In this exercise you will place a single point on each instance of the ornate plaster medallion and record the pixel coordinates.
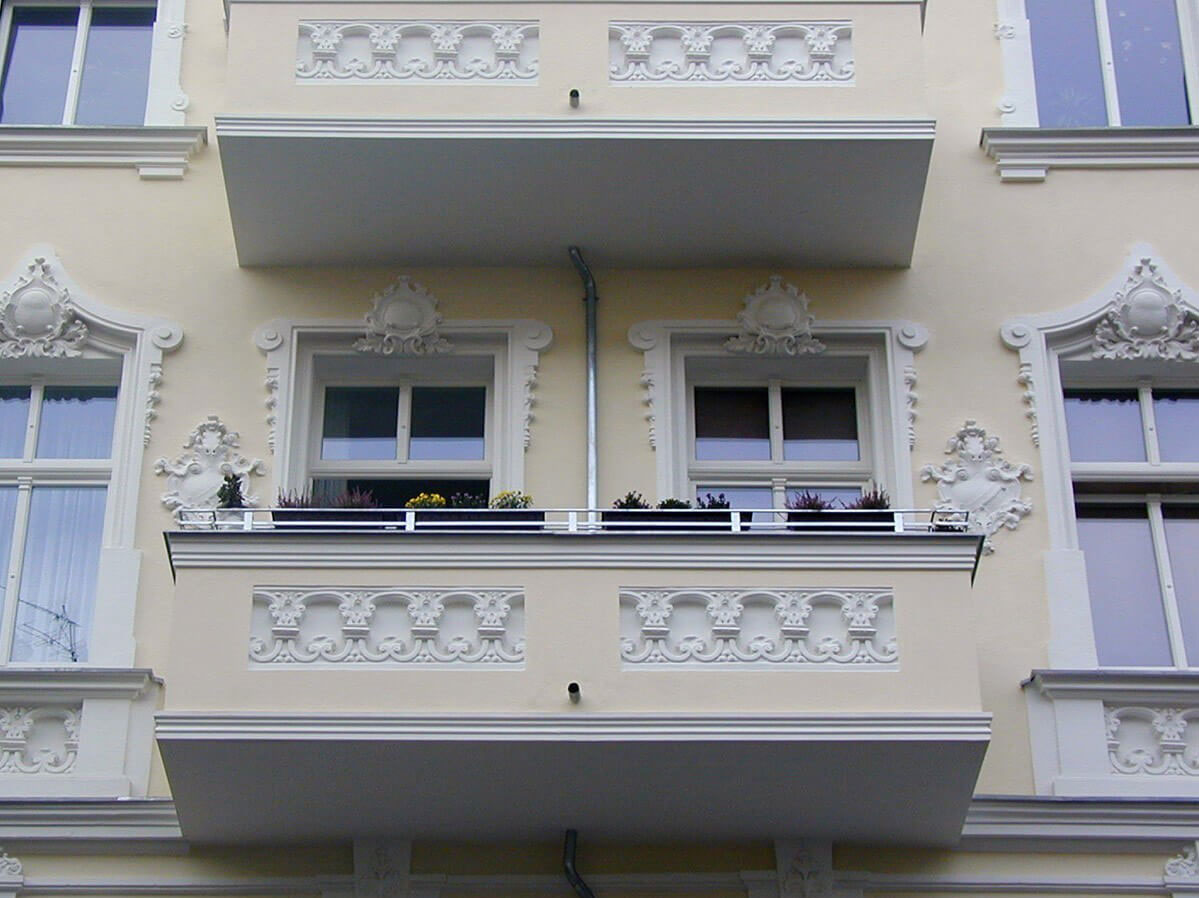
(403, 321)
(775, 321)
(1147, 321)
(36, 317)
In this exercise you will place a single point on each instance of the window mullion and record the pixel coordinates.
(1108, 63)
(12, 583)
(82, 27)
(1190, 64)
(1161, 552)
(403, 422)
(37, 391)
(1149, 424)
(775, 406)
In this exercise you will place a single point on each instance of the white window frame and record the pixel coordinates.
(291, 346)
(1019, 104)
(401, 467)
(887, 395)
(165, 101)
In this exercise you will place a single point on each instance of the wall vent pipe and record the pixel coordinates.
(568, 865)
(590, 298)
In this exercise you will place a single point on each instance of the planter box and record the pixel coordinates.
(842, 521)
(315, 518)
(671, 520)
(501, 519)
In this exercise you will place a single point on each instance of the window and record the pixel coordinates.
(84, 63)
(56, 446)
(399, 427)
(1134, 457)
(761, 440)
(1112, 62)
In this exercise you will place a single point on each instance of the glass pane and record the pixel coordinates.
(77, 422)
(1065, 53)
(360, 422)
(1182, 536)
(1147, 51)
(732, 424)
(1104, 425)
(1177, 415)
(820, 425)
(116, 66)
(8, 511)
(14, 416)
(1126, 601)
(38, 65)
(447, 423)
(742, 497)
(58, 574)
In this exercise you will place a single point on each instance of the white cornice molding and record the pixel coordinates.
(119, 822)
(665, 727)
(509, 127)
(158, 152)
(283, 550)
(1117, 685)
(73, 684)
(1027, 154)
(1026, 823)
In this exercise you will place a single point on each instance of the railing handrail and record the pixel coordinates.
(576, 520)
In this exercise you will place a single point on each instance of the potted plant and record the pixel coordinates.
(803, 508)
(670, 514)
(630, 510)
(303, 507)
(871, 510)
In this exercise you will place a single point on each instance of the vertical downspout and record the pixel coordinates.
(568, 866)
(590, 298)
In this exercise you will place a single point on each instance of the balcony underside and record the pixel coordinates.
(871, 778)
(650, 193)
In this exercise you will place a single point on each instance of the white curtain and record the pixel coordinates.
(77, 422)
(58, 575)
(14, 415)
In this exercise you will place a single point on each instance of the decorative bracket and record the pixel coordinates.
(775, 321)
(195, 478)
(978, 481)
(403, 321)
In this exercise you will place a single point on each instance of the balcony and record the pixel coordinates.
(328, 678)
(399, 136)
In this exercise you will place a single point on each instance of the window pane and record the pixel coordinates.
(732, 424)
(360, 422)
(1104, 425)
(820, 425)
(742, 497)
(8, 511)
(77, 422)
(58, 574)
(447, 423)
(14, 416)
(1182, 538)
(1147, 51)
(1065, 52)
(1177, 415)
(38, 64)
(1126, 601)
(116, 66)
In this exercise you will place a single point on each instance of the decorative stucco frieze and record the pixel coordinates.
(1152, 740)
(403, 320)
(10, 867)
(1147, 320)
(1025, 379)
(195, 478)
(980, 482)
(648, 399)
(271, 382)
(775, 321)
(418, 52)
(1185, 864)
(763, 627)
(40, 739)
(37, 317)
(731, 52)
(331, 625)
(911, 397)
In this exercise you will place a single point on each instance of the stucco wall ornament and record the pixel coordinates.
(1184, 865)
(195, 478)
(775, 321)
(1147, 321)
(9, 866)
(37, 319)
(978, 481)
(403, 321)
(38, 740)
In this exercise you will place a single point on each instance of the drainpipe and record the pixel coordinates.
(568, 864)
(590, 298)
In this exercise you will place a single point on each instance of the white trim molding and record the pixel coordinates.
(775, 322)
(1028, 154)
(158, 152)
(514, 344)
(137, 345)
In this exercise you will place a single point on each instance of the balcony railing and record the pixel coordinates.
(585, 521)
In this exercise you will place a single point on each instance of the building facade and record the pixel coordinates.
(279, 273)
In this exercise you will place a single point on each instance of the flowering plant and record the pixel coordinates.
(511, 499)
(426, 500)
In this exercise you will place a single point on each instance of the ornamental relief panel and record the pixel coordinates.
(1154, 741)
(1147, 320)
(731, 52)
(194, 479)
(758, 627)
(39, 740)
(334, 626)
(441, 52)
(37, 317)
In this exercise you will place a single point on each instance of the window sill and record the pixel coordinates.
(158, 152)
(1027, 154)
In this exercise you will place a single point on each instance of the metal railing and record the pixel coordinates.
(575, 520)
